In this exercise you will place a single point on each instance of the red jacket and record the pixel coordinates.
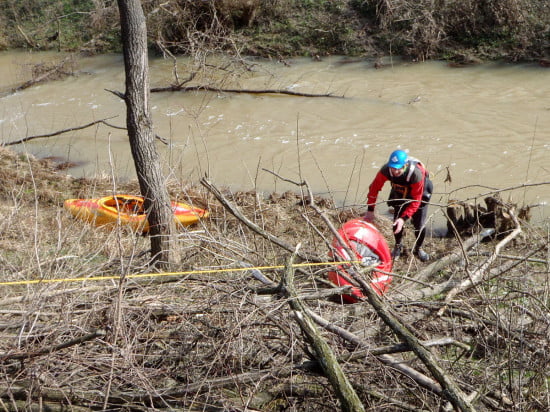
(410, 185)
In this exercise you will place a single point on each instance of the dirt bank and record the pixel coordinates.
(515, 30)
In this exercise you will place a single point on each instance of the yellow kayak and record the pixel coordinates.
(128, 210)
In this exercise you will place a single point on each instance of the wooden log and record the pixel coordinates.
(325, 356)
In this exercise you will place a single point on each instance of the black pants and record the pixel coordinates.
(419, 217)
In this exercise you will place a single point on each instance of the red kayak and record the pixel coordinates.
(369, 246)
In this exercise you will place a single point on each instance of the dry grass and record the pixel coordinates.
(211, 341)
(516, 30)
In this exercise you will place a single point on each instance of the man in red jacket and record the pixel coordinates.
(410, 193)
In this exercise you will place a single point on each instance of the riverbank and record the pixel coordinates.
(209, 326)
(513, 30)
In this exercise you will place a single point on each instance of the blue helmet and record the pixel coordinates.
(398, 159)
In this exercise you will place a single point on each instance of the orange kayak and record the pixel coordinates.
(127, 210)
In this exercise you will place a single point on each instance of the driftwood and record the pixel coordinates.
(57, 70)
(466, 218)
(205, 88)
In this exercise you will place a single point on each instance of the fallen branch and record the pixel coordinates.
(344, 390)
(27, 355)
(72, 129)
(180, 88)
(382, 355)
(251, 225)
(454, 256)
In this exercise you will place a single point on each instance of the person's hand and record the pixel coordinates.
(398, 225)
(369, 216)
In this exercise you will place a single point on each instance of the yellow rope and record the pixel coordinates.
(146, 275)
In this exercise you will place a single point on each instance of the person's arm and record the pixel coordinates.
(374, 188)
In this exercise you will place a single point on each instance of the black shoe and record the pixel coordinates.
(397, 251)
(423, 256)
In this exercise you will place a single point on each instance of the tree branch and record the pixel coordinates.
(344, 390)
(27, 355)
(180, 88)
(251, 225)
(71, 129)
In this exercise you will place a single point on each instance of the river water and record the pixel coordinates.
(486, 126)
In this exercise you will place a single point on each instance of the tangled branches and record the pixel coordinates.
(212, 334)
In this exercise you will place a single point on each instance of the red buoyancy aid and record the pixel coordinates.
(364, 239)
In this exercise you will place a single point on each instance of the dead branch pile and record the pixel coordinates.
(470, 330)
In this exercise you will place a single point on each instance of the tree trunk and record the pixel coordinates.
(140, 129)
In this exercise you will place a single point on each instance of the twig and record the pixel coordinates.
(401, 405)
(520, 258)
(494, 190)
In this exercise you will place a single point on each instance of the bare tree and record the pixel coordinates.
(140, 129)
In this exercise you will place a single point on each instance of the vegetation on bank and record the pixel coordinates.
(516, 30)
(86, 325)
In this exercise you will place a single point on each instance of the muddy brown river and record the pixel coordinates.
(487, 127)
